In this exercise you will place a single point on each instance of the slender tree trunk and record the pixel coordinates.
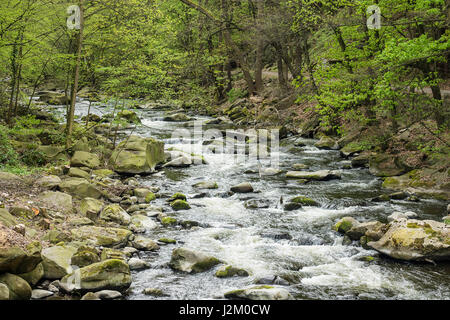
(260, 47)
(73, 94)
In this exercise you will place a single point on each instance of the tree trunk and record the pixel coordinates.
(259, 48)
(73, 94)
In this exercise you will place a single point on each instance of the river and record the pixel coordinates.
(299, 246)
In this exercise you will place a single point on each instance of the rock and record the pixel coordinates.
(57, 261)
(38, 294)
(48, 181)
(384, 165)
(110, 274)
(415, 240)
(108, 294)
(177, 196)
(85, 159)
(91, 207)
(6, 176)
(401, 215)
(230, 271)
(179, 205)
(361, 160)
(322, 175)
(55, 236)
(153, 292)
(129, 116)
(109, 253)
(56, 200)
(54, 98)
(375, 229)
(137, 155)
(327, 143)
(298, 202)
(129, 251)
(103, 173)
(90, 296)
(142, 243)
(18, 288)
(54, 153)
(99, 236)
(137, 264)
(345, 224)
(270, 171)
(260, 293)
(85, 256)
(34, 276)
(206, 185)
(244, 187)
(141, 223)
(257, 204)
(399, 195)
(80, 188)
(17, 260)
(4, 292)
(189, 261)
(83, 221)
(6, 218)
(167, 241)
(78, 173)
(115, 213)
(141, 192)
(181, 162)
(178, 117)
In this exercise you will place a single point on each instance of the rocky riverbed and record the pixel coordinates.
(159, 218)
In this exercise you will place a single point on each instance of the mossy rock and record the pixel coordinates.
(345, 224)
(150, 197)
(113, 274)
(167, 240)
(19, 289)
(305, 201)
(178, 205)
(99, 236)
(230, 271)
(189, 261)
(168, 221)
(177, 196)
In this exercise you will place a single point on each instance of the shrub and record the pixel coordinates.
(8, 155)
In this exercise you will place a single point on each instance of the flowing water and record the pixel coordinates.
(299, 245)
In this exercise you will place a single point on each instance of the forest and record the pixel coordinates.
(107, 190)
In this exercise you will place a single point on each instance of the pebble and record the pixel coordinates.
(37, 294)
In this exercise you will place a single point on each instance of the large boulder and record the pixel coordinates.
(85, 159)
(6, 218)
(190, 261)
(57, 261)
(415, 240)
(137, 155)
(115, 213)
(141, 223)
(56, 200)
(78, 173)
(17, 260)
(321, 175)
(99, 236)
(259, 293)
(80, 188)
(113, 274)
(19, 289)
